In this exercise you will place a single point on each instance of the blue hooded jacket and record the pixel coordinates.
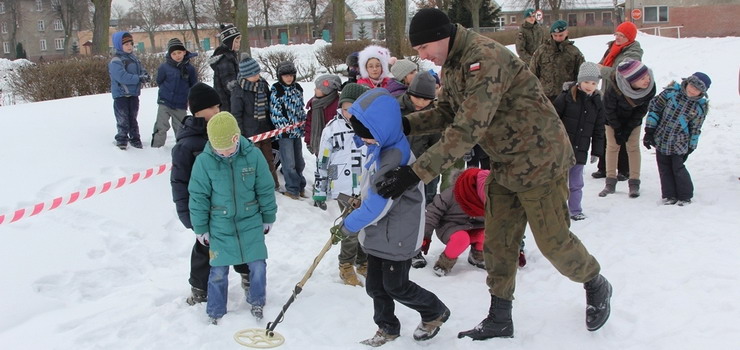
(124, 69)
(391, 229)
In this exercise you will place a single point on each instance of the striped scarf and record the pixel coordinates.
(260, 97)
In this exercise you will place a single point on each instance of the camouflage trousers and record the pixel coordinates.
(545, 208)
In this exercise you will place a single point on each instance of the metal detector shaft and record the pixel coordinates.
(298, 288)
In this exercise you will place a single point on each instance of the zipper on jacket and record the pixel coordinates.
(236, 210)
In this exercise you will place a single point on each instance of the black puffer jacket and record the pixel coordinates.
(623, 113)
(191, 140)
(242, 107)
(583, 117)
(225, 65)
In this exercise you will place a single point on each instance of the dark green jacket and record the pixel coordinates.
(528, 40)
(231, 198)
(556, 63)
(489, 98)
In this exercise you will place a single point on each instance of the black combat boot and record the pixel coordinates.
(497, 324)
(598, 293)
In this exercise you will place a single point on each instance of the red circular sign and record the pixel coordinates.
(636, 14)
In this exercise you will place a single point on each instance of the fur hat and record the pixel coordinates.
(202, 96)
(286, 67)
(629, 30)
(632, 70)
(328, 83)
(588, 71)
(373, 51)
(700, 81)
(423, 86)
(402, 68)
(221, 130)
(175, 44)
(558, 26)
(428, 25)
(351, 92)
(248, 67)
(227, 35)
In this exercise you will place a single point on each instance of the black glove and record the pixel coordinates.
(649, 139)
(406, 125)
(397, 181)
(145, 78)
(621, 136)
(686, 156)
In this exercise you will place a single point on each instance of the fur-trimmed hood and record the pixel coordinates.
(374, 51)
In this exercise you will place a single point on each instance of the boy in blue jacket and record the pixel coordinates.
(175, 77)
(390, 230)
(126, 76)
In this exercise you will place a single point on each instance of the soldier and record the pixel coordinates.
(530, 37)
(490, 99)
(556, 61)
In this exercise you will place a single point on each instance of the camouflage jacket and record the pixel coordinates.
(529, 38)
(489, 98)
(633, 51)
(555, 63)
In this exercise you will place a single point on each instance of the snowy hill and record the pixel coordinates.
(110, 272)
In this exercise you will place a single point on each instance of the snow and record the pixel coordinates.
(110, 272)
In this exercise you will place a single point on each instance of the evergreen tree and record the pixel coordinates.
(488, 14)
(362, 33)
(19, 51)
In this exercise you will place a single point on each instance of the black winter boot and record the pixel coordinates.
(598, 293)
(497, 324)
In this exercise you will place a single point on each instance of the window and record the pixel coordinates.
(512, 19)
(58, 25)
(590, 18)
(500, 21)
(2, 7)
(43, 44)
(39, 5)
(546, 19)
(59, 43)
(266, 34)
(4, 27)
(6, 47)
(40, 25)
(655, 13)
(572, 19)
(606, 19)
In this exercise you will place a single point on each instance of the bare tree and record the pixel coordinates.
(152, 14)
(473, 6)
(395, 26)
(313, 6)
(222, 10)
(69, 12)
(190, 11)
(101, 22)
(241, 20)
(338, 16)
(266, 13)
(118, 11)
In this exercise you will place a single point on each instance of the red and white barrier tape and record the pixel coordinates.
(114, 185)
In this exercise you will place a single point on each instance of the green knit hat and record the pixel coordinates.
(221, 130)
(351, 92)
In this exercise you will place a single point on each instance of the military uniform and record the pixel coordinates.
(528, 40)
(555, 63)
(491, 99)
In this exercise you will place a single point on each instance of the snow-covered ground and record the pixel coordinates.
(110, 272)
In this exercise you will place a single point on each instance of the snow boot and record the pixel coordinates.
(418, 261)
(598, 293)
(598, 174)
(197, 296)
(427, 330)
(670, 201)
(348, 276)
(611, 184)
(497, 324)
(137, 144)
(682, 203)
(362, 269)
(122, 145)
(381, 337)
(622, 177)
(213, 321)
(475, 258)
(443, 265)
(257, 312)
(578, 217)
(245, 282)
(634, 185)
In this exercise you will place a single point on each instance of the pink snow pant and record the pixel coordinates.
(461, 240)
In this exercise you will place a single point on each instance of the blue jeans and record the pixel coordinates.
(575, 185)
(291, 158)
(218, 287)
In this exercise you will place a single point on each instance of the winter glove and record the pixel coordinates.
(266, 228)
(337, 234)
(649, 139)
(145, 78)
(397, 181)
(204, 239)
(425, 245)
(686, 156)
(320, 204)
(621, 137)
(594, 159)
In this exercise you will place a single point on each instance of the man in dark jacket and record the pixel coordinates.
(225, 64)
(191, 140)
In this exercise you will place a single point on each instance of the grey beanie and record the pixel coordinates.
(175, 44)
(402, 68)
(589, 71)
(328, 83)
(423, 86)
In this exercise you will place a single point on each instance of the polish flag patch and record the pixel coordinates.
(474, 67)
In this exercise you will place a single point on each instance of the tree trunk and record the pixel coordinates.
(241, 18)
(151, 41)
(395, 26)
(473, 7)
(338, 13)
(266, 6)
(101, 22)
(194, 24)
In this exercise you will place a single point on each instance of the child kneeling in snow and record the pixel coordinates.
(232, 200)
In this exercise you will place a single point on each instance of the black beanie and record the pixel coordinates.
(428, 25)
(360, 129)
(202, 96)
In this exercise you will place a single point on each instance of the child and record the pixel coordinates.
(322, 108)
(374, 67)
(353, 68)
(126, 76)
(626, 103)
(403, 72)
(339, 170)
(286, 108)
(250, 105)
(458, 216)
(673, 126)
(579, 107)
(225, 64)
(175, 77)
(390, 230)
(232, 207)
(191, 140)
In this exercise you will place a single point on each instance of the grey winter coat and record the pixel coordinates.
(445, 216)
